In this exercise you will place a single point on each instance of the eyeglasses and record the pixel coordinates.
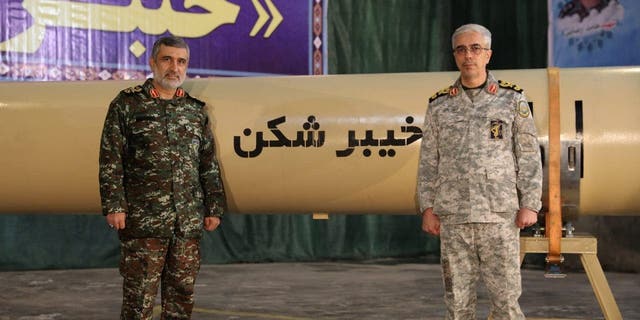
(475, 49)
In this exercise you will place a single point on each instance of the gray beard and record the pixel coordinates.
(170, 83)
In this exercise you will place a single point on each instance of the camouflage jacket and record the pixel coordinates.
(479, 160)
(158, 164)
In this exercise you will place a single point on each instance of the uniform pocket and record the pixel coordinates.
(502, 192)
(190, 132)
(452, 133)
(145, 124)
(452, 130)
(448, 197)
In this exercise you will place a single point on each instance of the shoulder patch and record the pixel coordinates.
(439, 94)
(523, 109)
(131, 90)
(507, 85)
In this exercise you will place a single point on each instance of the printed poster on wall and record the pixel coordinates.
(53, 40)
(589, 33)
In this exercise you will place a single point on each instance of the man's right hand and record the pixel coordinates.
(116, 220)
(430, 222)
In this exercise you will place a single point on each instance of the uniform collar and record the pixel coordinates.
(152, 92)
(490, 86)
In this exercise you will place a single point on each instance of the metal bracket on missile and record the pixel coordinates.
(567, 230)
(554, 269)
(571, 172)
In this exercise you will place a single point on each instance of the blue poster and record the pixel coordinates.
(591, 33)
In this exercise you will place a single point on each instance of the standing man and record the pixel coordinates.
(479, 180)
(160, 185)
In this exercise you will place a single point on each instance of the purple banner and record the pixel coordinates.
(112, 39)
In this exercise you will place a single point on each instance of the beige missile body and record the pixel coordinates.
(334, 144)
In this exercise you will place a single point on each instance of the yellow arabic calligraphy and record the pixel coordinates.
(496, 131)
(54, 13)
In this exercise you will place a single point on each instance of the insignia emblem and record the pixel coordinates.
(453, 92)
(492, 88)
(495, 132)
(438, 94)
(523, 109)
(507, 85)
(195, 145)
(154, 93)
(132, 89)
(180, 92)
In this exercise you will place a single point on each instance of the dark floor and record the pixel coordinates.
(387, 289)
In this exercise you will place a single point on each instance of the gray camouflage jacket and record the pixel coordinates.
(158, 164)
(479, 161)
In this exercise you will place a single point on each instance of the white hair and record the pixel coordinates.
(484, 32)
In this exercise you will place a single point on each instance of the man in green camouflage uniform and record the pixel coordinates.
(160, 185)
(479, 180)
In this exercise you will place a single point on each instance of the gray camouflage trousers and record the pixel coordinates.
(147, 262)
(487, 250)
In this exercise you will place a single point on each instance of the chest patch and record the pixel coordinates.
(495, 131)
(195, 145)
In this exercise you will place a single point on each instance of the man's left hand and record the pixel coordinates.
(526, 218)
(211, 223)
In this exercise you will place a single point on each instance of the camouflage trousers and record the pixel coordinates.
(487, 250)
(147, 262)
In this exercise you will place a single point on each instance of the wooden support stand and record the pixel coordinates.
(587, 248)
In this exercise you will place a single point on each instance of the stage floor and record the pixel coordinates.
(381, 289)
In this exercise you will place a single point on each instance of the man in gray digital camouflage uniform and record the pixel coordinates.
(479, 180)
(160, 185)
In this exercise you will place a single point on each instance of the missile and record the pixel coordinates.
(338, 144)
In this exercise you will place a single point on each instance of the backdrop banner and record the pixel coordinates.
(112, 39)
(592, 33)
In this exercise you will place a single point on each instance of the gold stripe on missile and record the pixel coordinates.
(320, 216)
